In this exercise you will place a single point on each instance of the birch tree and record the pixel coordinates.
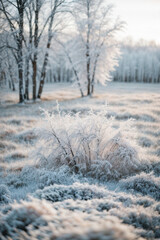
(55, 9)
(97, 50)
(34, 30)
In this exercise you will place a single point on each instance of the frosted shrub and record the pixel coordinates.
(23, 215)
(79, 191)
(58, 176)
(146, 184)
(38, 219)
(88, 145)
(4, 194)
(142, 219)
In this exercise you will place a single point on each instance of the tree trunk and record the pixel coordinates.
(21, 92)
(94, 73)
(34, 78)
(93, 78)
(20, 55)
(92, 88)
(11, 77)
(88, 69)
(43, 73)
(13, 85)
(88, 51)
(9, 83)
(50, 35)
(34, 63)
(27, 79)
(88, 82)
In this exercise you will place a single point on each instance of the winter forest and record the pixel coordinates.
(79, 119)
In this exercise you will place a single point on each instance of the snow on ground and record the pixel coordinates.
(88, 169)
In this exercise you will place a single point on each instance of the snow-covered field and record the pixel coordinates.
(83, 169)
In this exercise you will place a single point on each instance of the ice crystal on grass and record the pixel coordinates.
(89, 145)
(48, 177)
(76, 191)
(22, 178)
(156, 168)
(4, 194)
(146, 222)
(39, 220)
(21, 216)
(145, 184)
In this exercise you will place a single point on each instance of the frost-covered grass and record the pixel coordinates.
(77, 173)
(89, 145)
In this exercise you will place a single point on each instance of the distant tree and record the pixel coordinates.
(9, 66)
(8, 56)
(140, 62)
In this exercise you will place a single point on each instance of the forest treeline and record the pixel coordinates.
(139, 63)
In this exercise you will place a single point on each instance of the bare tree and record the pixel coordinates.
(13, 12)
(96, 28)
(37, 25)
(32, 39)
(36, 43)
(28, 44)
(55, 9)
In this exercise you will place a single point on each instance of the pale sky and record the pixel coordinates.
(142, 18)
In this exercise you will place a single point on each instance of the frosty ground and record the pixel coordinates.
(86, 169)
